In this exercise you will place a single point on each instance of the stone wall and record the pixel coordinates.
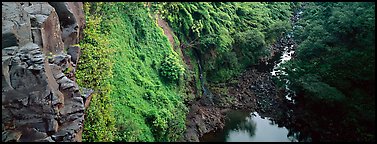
(40, 98)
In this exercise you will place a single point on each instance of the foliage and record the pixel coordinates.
(139, 43)
(125, 54)
(318, 91)
(123, 48)
(250, 44)
(277, 30)
(279, 11)
(224, 67)
(94, 71)
(171, 68)
(334, 68)
(211, 27)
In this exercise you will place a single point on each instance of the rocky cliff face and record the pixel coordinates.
(40, 98)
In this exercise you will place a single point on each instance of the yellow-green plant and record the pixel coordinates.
(171, 68)
(94, 71)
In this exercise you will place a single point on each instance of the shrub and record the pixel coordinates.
(94, 70)
(251, 45)
(170, 68)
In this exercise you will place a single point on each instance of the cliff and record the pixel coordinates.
(40, 98)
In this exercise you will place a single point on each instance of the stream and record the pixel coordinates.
(206, 92)
(243, 126)
(246, 126)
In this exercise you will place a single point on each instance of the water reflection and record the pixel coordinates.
(244, 126)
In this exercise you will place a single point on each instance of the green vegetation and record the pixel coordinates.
(122, 55)
(217, 28)
(333, 73)
(94, 71)
(193, 75)
(147, 109)
(171, 68)
(139, 79)
(141, 82)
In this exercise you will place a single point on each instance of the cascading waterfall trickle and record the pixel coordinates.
(288, 52)
(206, 92)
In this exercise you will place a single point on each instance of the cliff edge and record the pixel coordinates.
(40, 98)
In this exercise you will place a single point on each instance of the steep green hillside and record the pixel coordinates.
(144, 103)
(230, 36)
(141, 83)
(136, 74)
(94, 71)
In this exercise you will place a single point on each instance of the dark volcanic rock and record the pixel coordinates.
(39, 102)
(202, 120)
(15, 25)
(46, 32)
(72, 20)
(74, 51)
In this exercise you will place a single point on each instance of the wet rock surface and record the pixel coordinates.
(40, 99)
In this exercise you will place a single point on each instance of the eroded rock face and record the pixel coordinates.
(202, 120)
(15, 25)
(40, 102)
(72, 21)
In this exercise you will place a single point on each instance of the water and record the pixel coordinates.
(286, 56)
(206, 92)
(243, 126)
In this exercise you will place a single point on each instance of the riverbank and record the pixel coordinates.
(243, 126)
(253, 90)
